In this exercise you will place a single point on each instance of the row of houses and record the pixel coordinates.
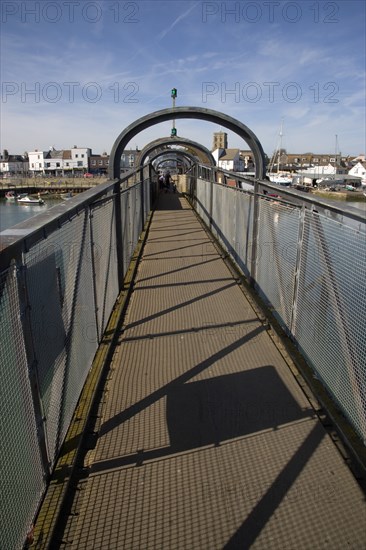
(242, 161)
(80, 160)
(319, 164)
(64, 162)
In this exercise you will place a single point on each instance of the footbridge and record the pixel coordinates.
(184, 369)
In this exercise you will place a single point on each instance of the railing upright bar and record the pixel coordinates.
(94, 273)
(300, 250)
(141, 175)
(253, 267)
(119, 242)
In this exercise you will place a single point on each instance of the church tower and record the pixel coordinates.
(219, 140)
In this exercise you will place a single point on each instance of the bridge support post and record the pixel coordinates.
(119, 243)
(253, 264)
(141, 176)
(212, 174)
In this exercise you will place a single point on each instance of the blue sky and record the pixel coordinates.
(78, 72)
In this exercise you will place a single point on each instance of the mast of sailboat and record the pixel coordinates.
(277, 152)
(280, 147)
(335, 156)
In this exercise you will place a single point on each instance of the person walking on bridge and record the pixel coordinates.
(167, 182)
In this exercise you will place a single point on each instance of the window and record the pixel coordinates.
(100, 163)
(76, 156)
(82, 156)
(67, 164)
(80, 162)
(57, 165)
(94, 162)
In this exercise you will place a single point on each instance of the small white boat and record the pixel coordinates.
(66, 196)
(10, 196)
(30, 200)
(280, 179)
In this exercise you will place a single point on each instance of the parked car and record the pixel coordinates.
(88, 175)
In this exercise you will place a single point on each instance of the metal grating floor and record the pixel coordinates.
(206, 440)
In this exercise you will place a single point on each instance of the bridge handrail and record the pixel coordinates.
(289, 194)
(307, 260)
(60, 276)
(24, 234)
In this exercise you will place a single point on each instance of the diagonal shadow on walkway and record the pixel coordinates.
(182, 379)
(261, 513)
(200, 242)
(179, 306)
(214, 410)
(183, 268)
(204, 328)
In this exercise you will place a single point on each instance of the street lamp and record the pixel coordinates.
(173, 95)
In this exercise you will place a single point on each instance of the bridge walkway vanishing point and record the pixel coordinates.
(205, 439)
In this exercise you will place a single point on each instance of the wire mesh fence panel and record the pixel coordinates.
(22, 479)
(330, 322)
(104, 258)
(217, 211)
(229, 201)
(277, 244)
(243, 235)
(310, 270)
(82, 339)
(148, 192)
(125, 228)
(133, 220)
(54, 307)
(60, 291)
(203, 194)
(137, 221)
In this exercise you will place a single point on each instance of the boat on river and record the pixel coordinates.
(10, 196)
(30, 200)
(280, 179)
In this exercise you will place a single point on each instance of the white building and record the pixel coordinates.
(228, 159)
(323, 170)
(60, 162)
(359, 171)
(79, 158)
(13, 164)
(36, 161)
(53, 162)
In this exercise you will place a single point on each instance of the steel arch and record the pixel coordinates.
(186, 112)
(175, 141)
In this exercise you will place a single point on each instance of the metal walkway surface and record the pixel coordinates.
(206, 440)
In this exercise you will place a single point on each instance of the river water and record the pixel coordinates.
(12, 213)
